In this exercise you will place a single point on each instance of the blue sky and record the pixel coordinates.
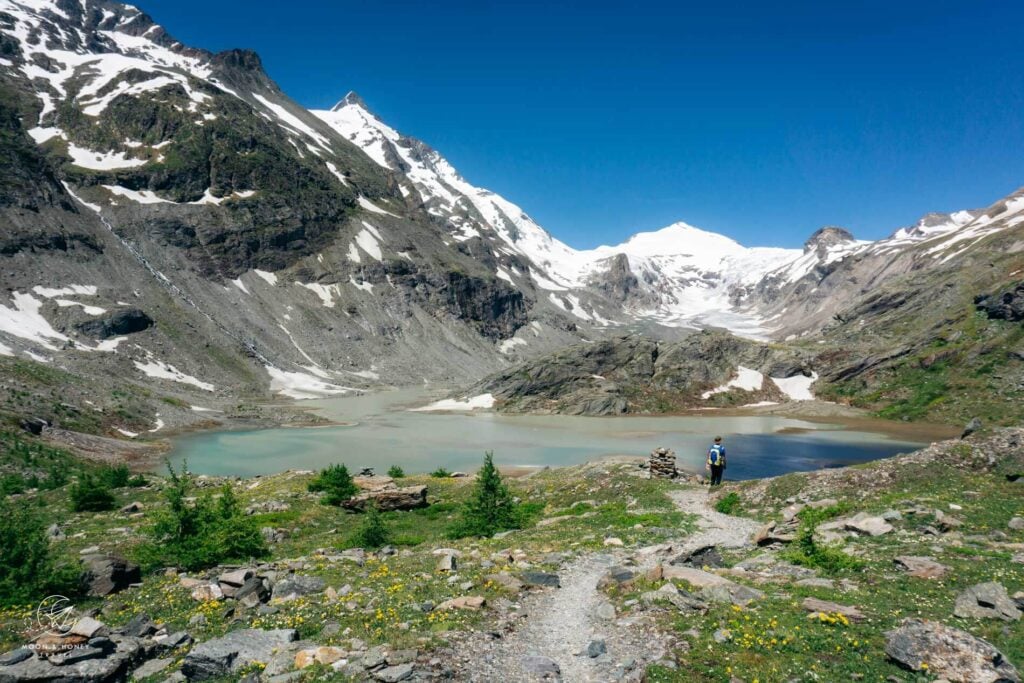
(760, 120)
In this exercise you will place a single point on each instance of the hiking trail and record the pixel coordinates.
(555, 627)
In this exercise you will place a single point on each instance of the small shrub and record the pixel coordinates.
(200, 534)
(373, 532)
(728, 504)
(396, 472)
(441, 473)
(115, 477)
(335, 483)
(138, 481)
(56, 477)
(490, 508)
(408, 540)
(807, 552)
(91, 494)
(28, 567)
(10, 484)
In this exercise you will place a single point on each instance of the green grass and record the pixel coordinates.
(728, 504)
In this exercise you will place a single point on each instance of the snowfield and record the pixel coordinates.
(483, 402)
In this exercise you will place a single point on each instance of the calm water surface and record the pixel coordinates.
(384, 432)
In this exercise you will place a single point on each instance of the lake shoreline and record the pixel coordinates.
(378, 429)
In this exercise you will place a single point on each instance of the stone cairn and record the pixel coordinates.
(662, 463)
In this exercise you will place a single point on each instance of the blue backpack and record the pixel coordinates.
(716, 454)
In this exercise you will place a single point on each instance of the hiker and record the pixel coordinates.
(716, 461)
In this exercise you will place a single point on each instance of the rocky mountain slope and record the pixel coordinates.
(936, 335)
(178, 234)
(638, 375)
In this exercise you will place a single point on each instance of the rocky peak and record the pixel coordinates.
(827, 237)
(352, 98)
(244, 60)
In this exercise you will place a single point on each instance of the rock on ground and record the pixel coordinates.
(949, 653)
(220, 657)
(986, 601)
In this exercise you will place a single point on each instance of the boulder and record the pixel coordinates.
(506, 581)
(704, 556)
(949, 653)
(1016, 524)
(447, 563)
(729, 593)
(920, 567)
(151, 668)
(682, 600)
(235, 578)
(541, 579)
(816, 606)
(971, 427)
(87, 627)
(617, 576)
(773, 532)
(386, 500)
(538, 665)
(207, 592)
(861, 523)
(252, 592)
(986, 601)
(393, 674)
(295, 585)
(107, 574)
(947, 523)
(15, 656)
(694, 577)
(605, 611)
(596, 648)
(318, 655)
(470, 602)
(220, 657)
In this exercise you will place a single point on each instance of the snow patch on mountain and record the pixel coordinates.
(154, 367)
(745, 380)
(301, 385)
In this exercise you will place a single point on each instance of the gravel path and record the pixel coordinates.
(714, 528)
(556, 626)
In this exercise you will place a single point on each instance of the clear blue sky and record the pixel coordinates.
(760, 120)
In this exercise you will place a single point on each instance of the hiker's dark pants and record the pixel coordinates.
(716, 474)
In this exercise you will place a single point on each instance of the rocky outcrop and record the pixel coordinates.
(220, 657)
(986, 601)
(388, 500)
(948, 653)
(1007, 304)
(496, 308)
(106, 574)
(636, 375)
(125, 321)
(825, 238)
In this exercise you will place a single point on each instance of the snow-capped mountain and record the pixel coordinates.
(682, 274)
(469, 211)
(171, 220)
(679, 275)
